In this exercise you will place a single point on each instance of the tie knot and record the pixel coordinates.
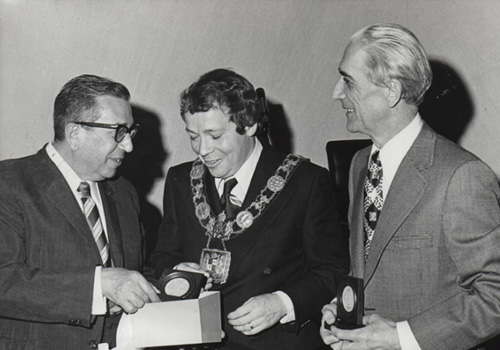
(375, 171)
(376, 157)
(229, 185)
(84, 189)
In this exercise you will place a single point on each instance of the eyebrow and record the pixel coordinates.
(207, 131)
(344, 74)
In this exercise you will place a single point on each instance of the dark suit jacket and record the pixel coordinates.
(296, 246)
(434, 259)
(48, 255)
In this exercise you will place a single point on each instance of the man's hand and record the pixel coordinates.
(378, 334)
(329, 317)
(257, 314)
(194, 267)
(127, 289)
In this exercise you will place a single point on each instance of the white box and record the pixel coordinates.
(179, 322)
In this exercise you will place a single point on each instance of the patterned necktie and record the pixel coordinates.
(374, 199)
(230, 208)
(94, 221)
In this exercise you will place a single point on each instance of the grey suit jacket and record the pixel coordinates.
(48, 255)
(434, 259)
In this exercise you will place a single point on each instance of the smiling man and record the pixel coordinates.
(262, 224)
(424, 214)
(71, 240)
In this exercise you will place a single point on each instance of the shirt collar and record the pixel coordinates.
(69, 174)
(393, 152)
(243, 175)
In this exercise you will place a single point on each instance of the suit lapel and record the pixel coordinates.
(60, 195)
(112, 224)
(406, 191)
(269, 161)
(357, 230)
(64, 201)
(211, 193)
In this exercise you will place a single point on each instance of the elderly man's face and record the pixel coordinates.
(365, 102)
(215, 140)
(98, 155)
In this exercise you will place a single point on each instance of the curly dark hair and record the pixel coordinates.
(227, 91)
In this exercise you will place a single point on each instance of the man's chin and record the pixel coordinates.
(217, 172)
(108, 174)
(352, 128)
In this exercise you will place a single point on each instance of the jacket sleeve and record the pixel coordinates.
(168, 251)
(471, 227)
(326, 247)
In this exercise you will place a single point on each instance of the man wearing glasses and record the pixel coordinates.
(70, 236)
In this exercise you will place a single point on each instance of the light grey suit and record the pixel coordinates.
(435, 255)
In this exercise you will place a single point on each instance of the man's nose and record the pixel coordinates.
(126, 144)
(338, 90)
(205, 146)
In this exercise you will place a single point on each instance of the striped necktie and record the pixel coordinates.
(374, 199)
(95, 223)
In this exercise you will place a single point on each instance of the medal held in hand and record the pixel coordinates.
(178, 284)
(350, 304)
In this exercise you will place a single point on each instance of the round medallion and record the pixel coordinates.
(177, 287)
(348, 299)
(244, 219)
(202, 211)
(197, 171)
(276, 183)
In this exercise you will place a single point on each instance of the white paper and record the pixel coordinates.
(179, 322)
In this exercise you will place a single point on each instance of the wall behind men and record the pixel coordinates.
(290, 47)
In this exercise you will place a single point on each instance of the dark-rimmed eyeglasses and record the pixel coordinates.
(121, 130)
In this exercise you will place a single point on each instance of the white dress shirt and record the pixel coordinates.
(391, 156)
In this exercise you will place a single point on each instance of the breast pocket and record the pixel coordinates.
(410, 242)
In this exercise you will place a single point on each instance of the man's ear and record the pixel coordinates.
(72, 132)
(251, 130)
(394, 92)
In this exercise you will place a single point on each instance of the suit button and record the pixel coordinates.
(75, 322)
(93, 344)
(267, 271)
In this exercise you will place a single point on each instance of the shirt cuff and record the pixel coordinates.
(290, 312)
(406, 338)
(98, 300)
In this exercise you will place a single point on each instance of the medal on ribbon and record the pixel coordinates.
(216, 262)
